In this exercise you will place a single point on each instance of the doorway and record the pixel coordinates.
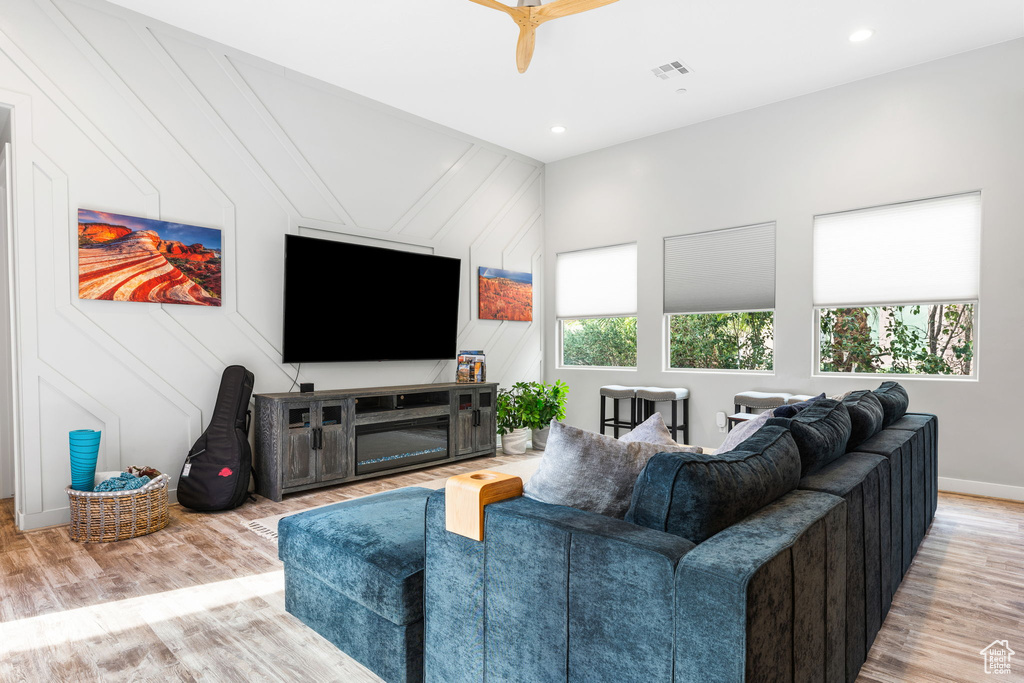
(7, 383)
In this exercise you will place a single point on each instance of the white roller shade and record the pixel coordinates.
(920, 251)
(596, 283)
(720, 271)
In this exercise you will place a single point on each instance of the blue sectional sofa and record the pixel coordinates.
(770, 562)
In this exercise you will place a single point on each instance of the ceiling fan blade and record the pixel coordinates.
(524, 49)
(563, 8)
(493, 4)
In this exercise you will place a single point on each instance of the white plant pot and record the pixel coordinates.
(514, 443)
(540, 438)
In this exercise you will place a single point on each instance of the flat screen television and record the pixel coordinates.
(352, 302)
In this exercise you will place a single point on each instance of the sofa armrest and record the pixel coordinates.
(765, 598)
(550, 590)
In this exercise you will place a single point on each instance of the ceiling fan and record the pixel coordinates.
(530, 14)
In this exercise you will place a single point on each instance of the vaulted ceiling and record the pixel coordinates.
(453, 61)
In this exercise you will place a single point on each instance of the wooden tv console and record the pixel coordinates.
(306, 441)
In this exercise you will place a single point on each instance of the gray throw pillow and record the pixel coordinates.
(654, 430)
(743, 431)
(589, 471)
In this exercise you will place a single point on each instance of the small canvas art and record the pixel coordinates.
(506, 295)
(123, 258)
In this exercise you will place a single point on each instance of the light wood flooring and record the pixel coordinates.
(202, 600)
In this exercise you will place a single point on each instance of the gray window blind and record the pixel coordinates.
(721, 270)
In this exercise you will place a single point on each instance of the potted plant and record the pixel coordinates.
(542, 404)
(511, 419)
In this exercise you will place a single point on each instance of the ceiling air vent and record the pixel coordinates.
(667, 71)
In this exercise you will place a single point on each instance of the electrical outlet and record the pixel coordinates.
(720, 421)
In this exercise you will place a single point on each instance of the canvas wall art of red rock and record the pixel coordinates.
(124, 258)
(505, 295)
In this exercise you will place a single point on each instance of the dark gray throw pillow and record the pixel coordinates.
(589, 471)
(821, 432)
(894, 401)
(696, 496)
(791, 409)
(866, 416)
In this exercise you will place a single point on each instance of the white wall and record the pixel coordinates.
(116, 112)
(944, 127)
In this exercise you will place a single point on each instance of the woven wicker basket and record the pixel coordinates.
(101, 517)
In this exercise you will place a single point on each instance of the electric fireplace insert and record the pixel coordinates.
(389, 445)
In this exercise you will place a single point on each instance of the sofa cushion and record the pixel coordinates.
(654, 430)
(550, 594)
(866, 416)
(863, 481)
(696, 496)
(820, 431)
(370, 549)
(894, 401)
(925, 442)
(912, 422)
(909, 486)
(589, 471)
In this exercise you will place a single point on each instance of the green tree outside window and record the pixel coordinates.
(599, 342)
(722, 341)
(922, 339)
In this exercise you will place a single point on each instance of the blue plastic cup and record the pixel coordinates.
(84, 447)
(84, 437)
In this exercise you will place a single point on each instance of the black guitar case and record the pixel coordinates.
(217, 469)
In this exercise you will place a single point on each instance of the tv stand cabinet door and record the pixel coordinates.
(464, 401)
(299, 466)
(474, 420)
(487, 428)
(334, 461)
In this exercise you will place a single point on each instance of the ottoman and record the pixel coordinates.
(354, 574)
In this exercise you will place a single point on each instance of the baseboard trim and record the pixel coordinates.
(46, 519)
(981, 488)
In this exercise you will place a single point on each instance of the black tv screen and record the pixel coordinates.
(352, 302)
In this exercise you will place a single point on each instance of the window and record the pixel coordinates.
(720, 299)
(595, 302)
(722, 341)
(896, 287)
(599, 342)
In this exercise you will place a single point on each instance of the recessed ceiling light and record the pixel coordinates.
(681, 91)
(860, 35)
(558, 129)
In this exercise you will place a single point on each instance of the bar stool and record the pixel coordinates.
(617, 392)
(746, 402)
(650, 396)
(750, 400)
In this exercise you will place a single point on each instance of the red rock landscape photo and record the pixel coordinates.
(123, 258)
(506, 295)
